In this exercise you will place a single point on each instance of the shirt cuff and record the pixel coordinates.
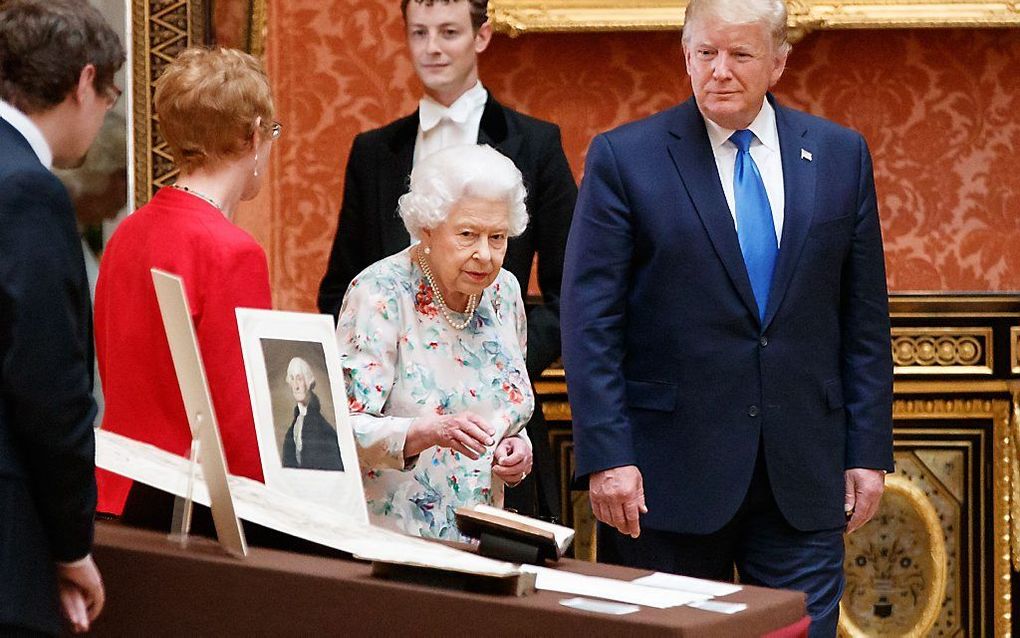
(77, 563)
(522, 435)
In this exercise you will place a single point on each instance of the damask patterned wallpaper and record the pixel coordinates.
(940, 110)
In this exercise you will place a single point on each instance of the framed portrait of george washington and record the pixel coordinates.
(305, 439)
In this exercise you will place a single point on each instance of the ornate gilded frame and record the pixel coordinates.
(160, 30)
(904, 490)
(997, 471)
(528, 16)
(943, 350)
(1014, 349)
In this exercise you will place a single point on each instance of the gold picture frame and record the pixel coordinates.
(916, 564)
(1014, 349)
(160, 30)
(515, 17)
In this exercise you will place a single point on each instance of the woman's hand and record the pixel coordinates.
(464, 432)
(512, 460)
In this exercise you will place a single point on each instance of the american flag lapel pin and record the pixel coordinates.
(805, 154)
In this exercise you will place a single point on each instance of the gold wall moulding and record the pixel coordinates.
(1014, 349)
(162, 29)
(515, 17)
(938, 350)
(990, 565)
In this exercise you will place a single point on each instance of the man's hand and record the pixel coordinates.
(81, 592)
(863, 492)
(618, 498)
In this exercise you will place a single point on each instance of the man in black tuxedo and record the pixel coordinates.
(445, 38)
(57, 62)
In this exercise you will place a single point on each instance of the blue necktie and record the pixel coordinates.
(755, 228)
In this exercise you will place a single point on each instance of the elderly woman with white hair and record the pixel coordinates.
(433, 344)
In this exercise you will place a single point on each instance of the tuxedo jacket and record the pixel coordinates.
(668, 364)
(320, 449)
(378, 170)
(223, 268)
(47, 444)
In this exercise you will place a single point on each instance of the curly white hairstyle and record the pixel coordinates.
(298, 366)
(469, 170)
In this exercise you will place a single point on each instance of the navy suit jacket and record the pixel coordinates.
(668, 365)
(47, 445)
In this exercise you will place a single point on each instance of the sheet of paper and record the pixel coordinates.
(609, 588)
(687, 584)
(599, 606)
(719, 607)
(284, 513)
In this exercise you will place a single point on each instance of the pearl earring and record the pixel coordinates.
(428, 251)
(255, 173)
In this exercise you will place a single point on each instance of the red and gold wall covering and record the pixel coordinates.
(939, 108)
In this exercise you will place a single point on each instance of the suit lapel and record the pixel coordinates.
(494, 130)
(394, 183)
(799, 187)
(692, 155)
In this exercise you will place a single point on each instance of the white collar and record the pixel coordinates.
(431, 112)
(763, 126)
(302, 409)
(24, 125)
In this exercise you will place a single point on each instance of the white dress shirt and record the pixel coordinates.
(299, 425)
(29, 131)
(440, 127)
(765, 153)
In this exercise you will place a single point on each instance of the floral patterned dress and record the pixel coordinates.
(401, 360)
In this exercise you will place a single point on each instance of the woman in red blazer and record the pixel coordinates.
(215, 111)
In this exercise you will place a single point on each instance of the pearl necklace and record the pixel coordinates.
(472, 303)
(205, 198)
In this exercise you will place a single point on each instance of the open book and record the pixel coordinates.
(550, 541)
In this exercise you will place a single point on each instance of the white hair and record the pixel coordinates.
(298, 366)
(469, 170)
(770, 13)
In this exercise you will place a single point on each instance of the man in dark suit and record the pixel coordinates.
(310, 442)
(445, 38)
(725, 326)
(57, 62)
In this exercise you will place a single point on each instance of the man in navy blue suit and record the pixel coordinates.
(725, 326)
(57, 62)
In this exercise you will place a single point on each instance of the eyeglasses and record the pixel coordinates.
(275, 130)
